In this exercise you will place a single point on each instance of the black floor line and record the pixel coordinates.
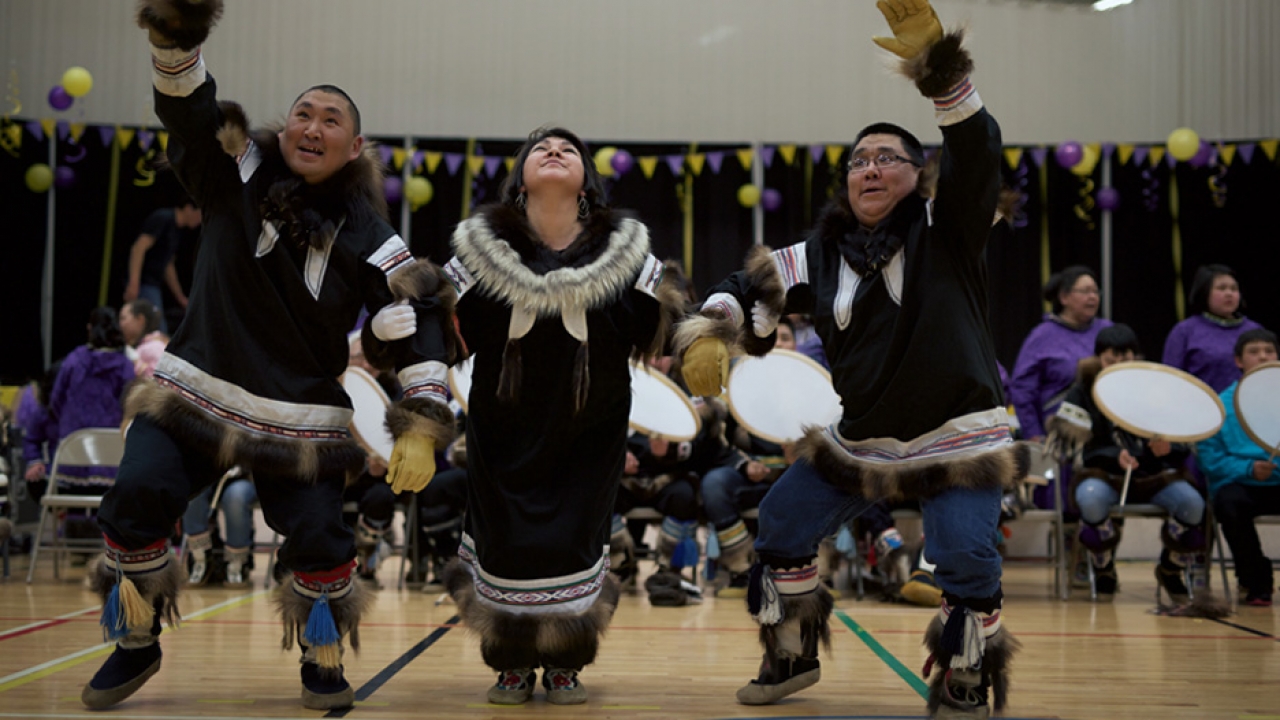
(390, 671)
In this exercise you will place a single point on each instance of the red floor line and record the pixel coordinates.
(10, 634)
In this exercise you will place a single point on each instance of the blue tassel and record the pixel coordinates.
(112, 619)
(686, 554)
(321, 629)
(713, 543)
(845, 544)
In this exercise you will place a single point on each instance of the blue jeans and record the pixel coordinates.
(156, 295)
(1096, 498)
(960, 527)
(236, 502)
(720, 495)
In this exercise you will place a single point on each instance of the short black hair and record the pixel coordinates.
(1118, 338)
(149, 313)
(1062, 282)
(909, 142)
(1202, 286)
(1255, 335)
(104, 328)
(592, 184)
(334, 90)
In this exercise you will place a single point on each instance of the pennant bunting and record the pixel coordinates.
(676, 163)
(1039, 155)
(49, 125)
(124, 136)
(815, 152)
(648, 165)
(433, 160)
(163, 137)
(398, 156)
(833, 154)
(491, 165)
(788, 153)
(453, 161)
(696, 160)
(1108, 149)
(1013, 156)
(1140, 154)
(64, 129)
(475, 164)
(745, 156)
(1124, 151)
(1156, 155)
(384, 152)
(715, 160)
(76, 131)
(36, 130)
(510, 164)
(415, 160)
(1269, 147)
(145, 138)
(766, 154)
(107, 133)
(1228, 153)
(1246, 152)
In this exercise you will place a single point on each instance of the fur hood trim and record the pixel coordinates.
(942, 65)
(498, 248)
(231, 445)
(912, 480)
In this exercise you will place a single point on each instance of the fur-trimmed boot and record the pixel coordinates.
(237, 567)
(1101, 541)
(138, 588)
(735, 556)
(199, 546)
(1182, 543)
(319, 609)
(368, 541)
(794, 612)
(969, 657)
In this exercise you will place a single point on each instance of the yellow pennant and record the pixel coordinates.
(49, 125)
(1228, 153)
(397, 158)
(745, 156)
(647, 166)
(1269, 147)
(124, 136)
(163, 137)
(1013, 156)
(833, 154)
(1124, 152)
(696, 161)
(510, 163)
(433, 160)
(1157, 154)
(76, 131)
(475, 164)
(788, 153)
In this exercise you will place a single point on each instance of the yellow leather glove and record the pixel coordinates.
(706, 366)
(413, 463)
(914, 24)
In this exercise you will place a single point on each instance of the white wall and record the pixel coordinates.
(709, 70)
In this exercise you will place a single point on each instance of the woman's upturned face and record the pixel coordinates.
(131, 325)
(1224, 296)
(553, 163)
(1080, 303)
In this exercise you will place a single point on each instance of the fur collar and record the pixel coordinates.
(308, 215)
(509, 263)
(1087, 370)
(869, 251)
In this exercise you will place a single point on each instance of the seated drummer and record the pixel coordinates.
(1159, 474)
(1244, 481)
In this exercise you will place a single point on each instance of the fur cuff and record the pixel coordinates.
(995, 665)
(1004, 467)
(671, 308)
(941, 67)
(766, 288)
(231, 445)
(426, 283)
(1066, 439)
(182, 23)
(159, 588)
(421, 416)
(812, 612)
(233, 136)
(508, 640)
(295, 608)
(699, 326)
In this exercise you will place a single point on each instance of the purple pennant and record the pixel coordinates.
(766, 154)
(145, 138)
(385, 152)
(36, 131)
(676, 163)
(715, 160)
(64, 128)
(1246, 152)
(817, 151)
(1039, 154)
(1170, 159)
(416, 160)
(453, 161)
(1140, 154)
(1108, 149)
(491, 165)
(107, 133)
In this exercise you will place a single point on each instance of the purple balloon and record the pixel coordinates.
(393, 188)
(64, 177)
(1069, 154)
(59, 99)
(1108, 198)
(622, 162)
(1203, 155)
(771, 199)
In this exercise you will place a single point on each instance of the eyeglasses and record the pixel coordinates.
(861, 163)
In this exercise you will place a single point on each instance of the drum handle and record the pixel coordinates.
(1124, 493)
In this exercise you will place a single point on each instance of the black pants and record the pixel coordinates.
(160, 472)
(1235, 507)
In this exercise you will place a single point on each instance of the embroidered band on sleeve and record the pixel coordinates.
(177, 72)
(792, 265)
(650, 276)
(458, 274)
(958, 104)
(391, 256)
(727, 305)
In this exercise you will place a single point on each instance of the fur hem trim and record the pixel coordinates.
(996, 661)
(186, 24)
(812, 612)
(420, 416)
(232, 445)
(912, 480)
(159, 588)
(572, 638)
(763, 278)
(942, 65)
(347, 610)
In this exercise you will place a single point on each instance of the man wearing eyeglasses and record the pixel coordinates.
(897, 288)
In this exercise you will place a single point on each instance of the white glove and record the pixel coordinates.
(763, 322)
(395, 322)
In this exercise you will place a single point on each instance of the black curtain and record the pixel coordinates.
(22, 239)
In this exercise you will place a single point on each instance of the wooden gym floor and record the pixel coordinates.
(1080, 660)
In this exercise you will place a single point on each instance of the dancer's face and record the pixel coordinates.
(1224, 296)
(319, 137)
(553, 163)
(1256, 353)
(875, 191)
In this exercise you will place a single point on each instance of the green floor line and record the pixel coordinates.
(903, 672)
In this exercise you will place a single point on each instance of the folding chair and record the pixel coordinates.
(1220, 541)
(101, 447)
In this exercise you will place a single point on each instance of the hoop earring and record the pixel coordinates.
(521, 201)
(584, 208)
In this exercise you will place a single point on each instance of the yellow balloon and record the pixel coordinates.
(418, 191)
(748, 195)
(604, 161)
(77, 81)
(39, 178)
(1088, 160)
(1183, 144)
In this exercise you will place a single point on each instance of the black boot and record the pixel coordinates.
(324, 689)
(124, 672)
